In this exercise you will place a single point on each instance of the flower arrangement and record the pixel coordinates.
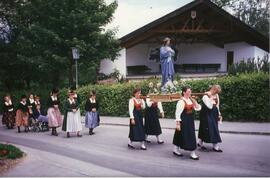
(169, 88)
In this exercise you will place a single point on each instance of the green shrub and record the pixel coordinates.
(250, 66)
(244, 97)
(8, 151)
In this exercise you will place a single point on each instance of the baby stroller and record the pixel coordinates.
(34, 125)
(37, 125)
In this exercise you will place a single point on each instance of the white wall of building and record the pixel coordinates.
(243, 51)
(107, 66)
(202, 53)
(197, 53)
(138, 55)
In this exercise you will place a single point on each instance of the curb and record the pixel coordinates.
(221, 131)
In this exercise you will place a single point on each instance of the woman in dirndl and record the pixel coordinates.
(9, 115)
(153, 111)
(184, 136)
(136, 128)
(210, 117)
(72, 120)
(92, 118)
(54, 115)
(22, 114)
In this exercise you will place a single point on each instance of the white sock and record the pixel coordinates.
(158, 139)
(193, 154)
(142, 144)
(176, 149)
(215, 146)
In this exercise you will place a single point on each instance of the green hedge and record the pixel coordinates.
(244, 97)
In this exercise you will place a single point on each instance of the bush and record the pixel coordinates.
(8, 151)
(244, 97)
(250, 66)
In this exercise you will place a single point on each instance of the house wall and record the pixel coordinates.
(243, 51)
(107, 66)
(197, 53)
(201, 53)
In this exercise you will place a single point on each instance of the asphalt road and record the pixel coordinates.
(106, 154)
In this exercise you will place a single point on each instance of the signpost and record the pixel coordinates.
(76, 56)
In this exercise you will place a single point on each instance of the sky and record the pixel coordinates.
(133, 14)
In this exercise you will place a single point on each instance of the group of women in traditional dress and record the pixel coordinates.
(184, 136)
(31, 109)
(139, 130)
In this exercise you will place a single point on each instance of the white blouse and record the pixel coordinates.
(8, 103)
(54, 98)
(159, 105)
(71, 101)
(181, 106)
(31, 100)
(210, 101)
(23, 103)
(92, 100)
(131, 105)
(37, 102)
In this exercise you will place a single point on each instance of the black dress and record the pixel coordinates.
(136, 132)
(31, 105)
(152, 125)
(185, 138)
(208, 129)
(9, 115)
(92, 119)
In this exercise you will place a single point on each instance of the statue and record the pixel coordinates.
(167, 67)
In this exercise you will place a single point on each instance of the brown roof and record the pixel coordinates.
(210, 15)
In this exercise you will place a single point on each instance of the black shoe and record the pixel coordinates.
(147, 141)
(19, 130)
(177, 154)
(202, 147)
(68, 136)
(131, 147)
(197, 158)
(219, 150)
(143, 148)
(160, 142)
(79, 135)
(91, 133)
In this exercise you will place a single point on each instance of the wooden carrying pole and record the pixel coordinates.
(169, 97)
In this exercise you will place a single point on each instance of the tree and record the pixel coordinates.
(253, 12)
(44, 31)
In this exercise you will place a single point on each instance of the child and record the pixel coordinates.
(22, 114)
(92, 113)
(9, 113)
(54, 115)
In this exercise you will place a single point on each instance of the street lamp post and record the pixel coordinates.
(76, 56)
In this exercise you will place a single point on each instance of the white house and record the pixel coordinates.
(207, 38)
